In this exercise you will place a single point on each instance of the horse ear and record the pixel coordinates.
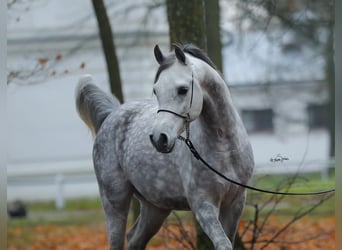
(180, 54)
(158, 54)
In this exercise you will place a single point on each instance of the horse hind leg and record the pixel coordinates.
(146, 226)
(116, 193)
(116, 213)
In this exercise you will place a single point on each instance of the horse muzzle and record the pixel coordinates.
(162, 143)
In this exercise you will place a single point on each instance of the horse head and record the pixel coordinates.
(179, 97)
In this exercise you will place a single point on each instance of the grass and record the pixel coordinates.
(288, 206)
(308, 182)
(70, 205)
(89, 211)
(78, 211)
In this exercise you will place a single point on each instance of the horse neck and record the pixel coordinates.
(220, 128)
(219, 118)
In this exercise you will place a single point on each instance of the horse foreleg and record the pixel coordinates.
(147, 225)
(230, 215)
(207, 216)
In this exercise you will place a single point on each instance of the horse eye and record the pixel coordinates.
(182, 90)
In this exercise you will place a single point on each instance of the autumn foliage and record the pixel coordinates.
(311, 233)
(304, 234)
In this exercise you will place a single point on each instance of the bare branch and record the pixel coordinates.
(297, 217)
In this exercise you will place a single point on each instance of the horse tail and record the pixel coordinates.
(93, 104)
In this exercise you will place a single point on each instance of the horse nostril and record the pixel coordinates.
(163, 140)
(160, 143)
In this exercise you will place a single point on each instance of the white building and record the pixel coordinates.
(54, 42)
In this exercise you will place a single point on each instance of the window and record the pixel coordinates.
(318, 115)
(258, 120)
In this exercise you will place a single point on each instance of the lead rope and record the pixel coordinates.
(195, 153)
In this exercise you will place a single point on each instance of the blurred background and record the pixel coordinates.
(277, 60)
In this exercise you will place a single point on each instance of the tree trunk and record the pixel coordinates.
(187, 25)
(108, 46)
(202, 240)
(214, 46)
(214, 51)
(187, 22)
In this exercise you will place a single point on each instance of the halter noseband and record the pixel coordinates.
(187, 117)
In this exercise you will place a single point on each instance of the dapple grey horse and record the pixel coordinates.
(136, 151)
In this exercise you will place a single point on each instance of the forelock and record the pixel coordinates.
(168, 61)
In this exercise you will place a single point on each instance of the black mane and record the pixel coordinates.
(187, 48)
(198, 53)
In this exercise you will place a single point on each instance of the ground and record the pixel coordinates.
(76, 230)
(268, 222)
(308, 234)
